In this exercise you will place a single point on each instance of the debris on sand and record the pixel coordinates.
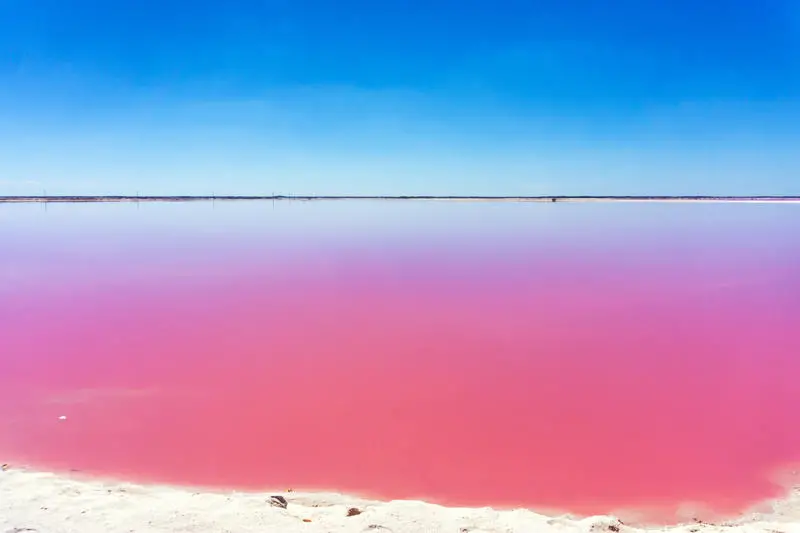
(354, 511)
(278, 501)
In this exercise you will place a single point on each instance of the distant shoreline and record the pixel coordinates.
(544, 199)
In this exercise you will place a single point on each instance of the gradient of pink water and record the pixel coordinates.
(550, 376)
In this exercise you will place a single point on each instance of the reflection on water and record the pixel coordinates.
(580, 357)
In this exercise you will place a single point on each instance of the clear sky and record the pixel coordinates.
(392, 97)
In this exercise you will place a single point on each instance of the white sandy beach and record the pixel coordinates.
(48, 503)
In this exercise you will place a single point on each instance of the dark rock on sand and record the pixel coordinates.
(278, 501)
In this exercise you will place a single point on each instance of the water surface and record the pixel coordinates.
(580, 357)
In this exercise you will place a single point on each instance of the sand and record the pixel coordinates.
(50, 503)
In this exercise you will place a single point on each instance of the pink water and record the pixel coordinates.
(580, 360)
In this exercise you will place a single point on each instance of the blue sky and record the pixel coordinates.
(390, 97)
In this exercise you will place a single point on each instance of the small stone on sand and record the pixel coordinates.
(278, 501)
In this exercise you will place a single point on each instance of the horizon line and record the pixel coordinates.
(465, 198)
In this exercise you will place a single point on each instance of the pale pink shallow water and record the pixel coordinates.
(588, 361)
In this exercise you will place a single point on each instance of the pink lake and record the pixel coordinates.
(586, 358)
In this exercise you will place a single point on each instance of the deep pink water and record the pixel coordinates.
(574, 357)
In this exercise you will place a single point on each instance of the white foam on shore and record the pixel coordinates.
(50, 503)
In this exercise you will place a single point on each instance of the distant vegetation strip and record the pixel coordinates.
(87, 199)
(188, 198)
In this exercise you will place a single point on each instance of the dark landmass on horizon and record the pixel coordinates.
(187, 198)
